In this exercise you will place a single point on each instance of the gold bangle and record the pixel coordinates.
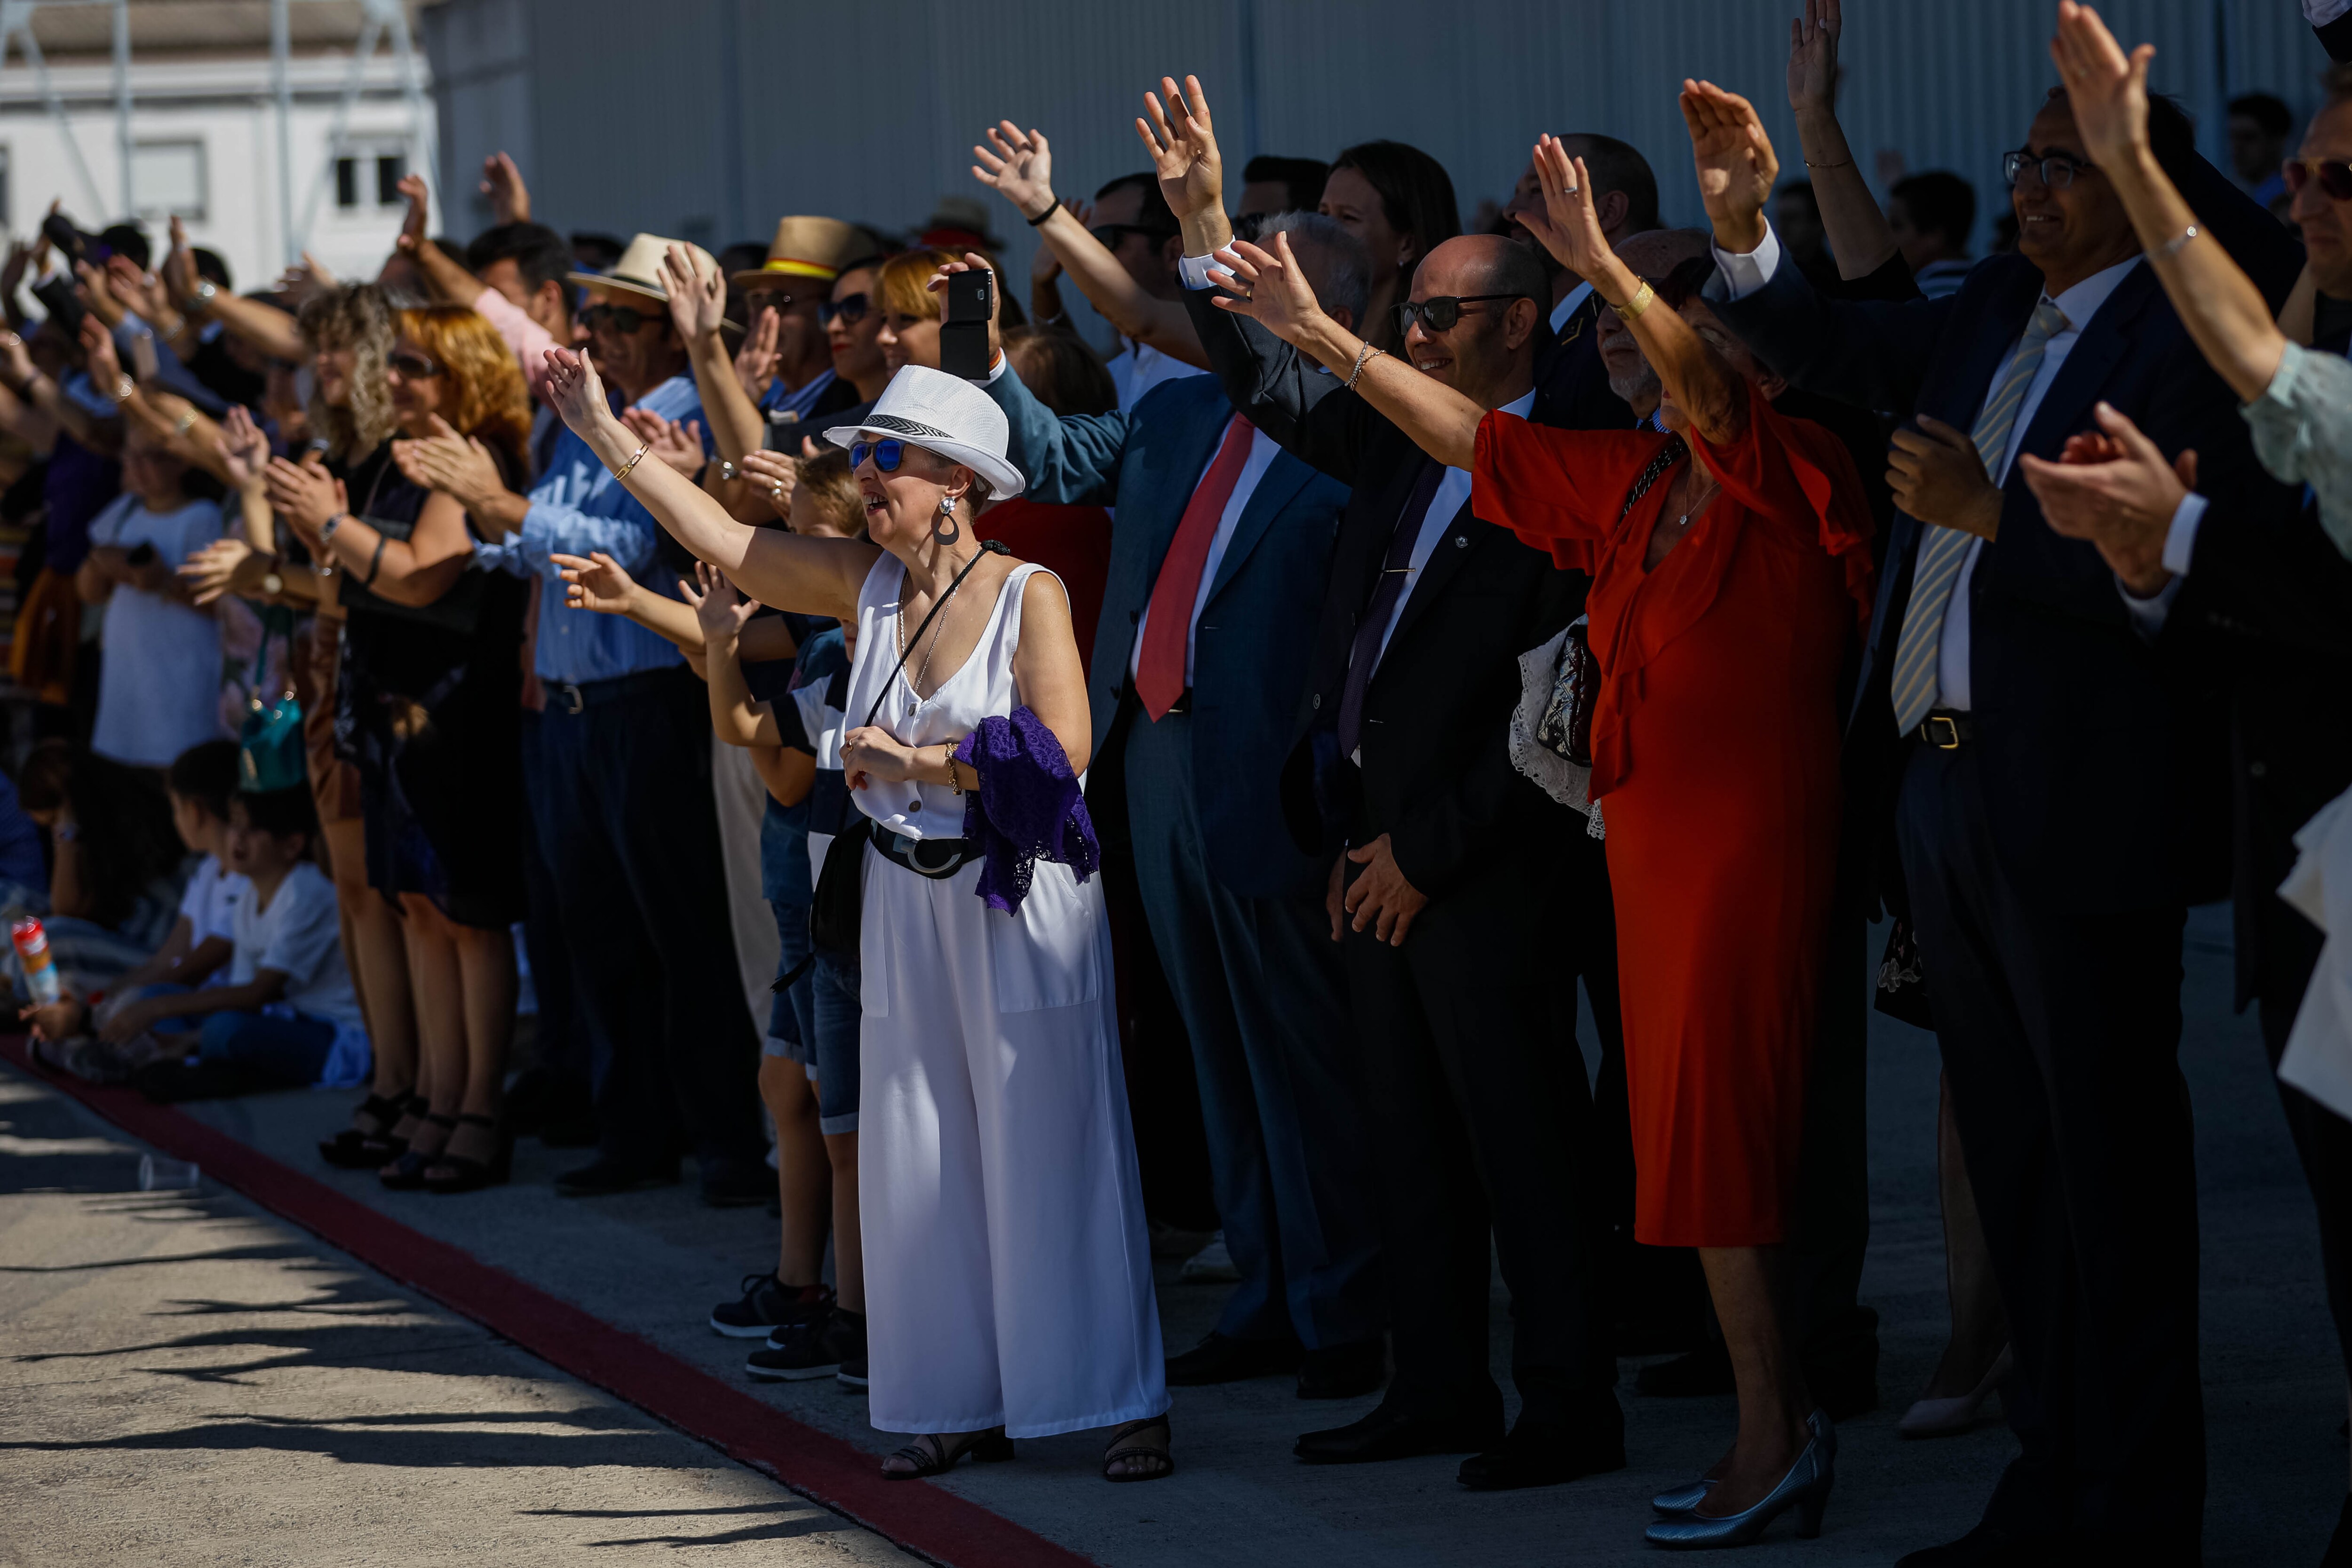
(623, 471)
(954, 783)
(1637, 304)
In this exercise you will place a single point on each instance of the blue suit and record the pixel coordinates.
(1235, 907)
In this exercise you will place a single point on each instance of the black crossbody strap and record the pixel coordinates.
(987, 547)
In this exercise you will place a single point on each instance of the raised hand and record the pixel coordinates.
(1813, 58)
(717, 608)
(778, 474)
(503, 183)
(142, 291)
(1270, 289)
(697, 293)
(243, 449)
(972, 262)
(17, 364)
(595, 581)
(577, 393)
(755, 361)
(412, 189)
(104, 369)
(1183, 148)
(224, 566)
(680, 445)
(2109, 89)
(97, 294)
(1020, 168)
(304, 280)
(1736, 167)
(180, 266)
(1567, 225)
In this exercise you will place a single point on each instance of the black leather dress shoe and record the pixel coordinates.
(607, 1175)
(1387, 1434)
(1222, 1358)
(1988, 1546)
(1545, 1456)
(1343, 1372)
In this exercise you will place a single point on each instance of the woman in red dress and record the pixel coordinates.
(1724, 591)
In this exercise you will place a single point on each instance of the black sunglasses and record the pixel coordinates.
(886, 453)
(414, 366)
(1440, 313)
(622, 318)
(2055, 170)
(2334, 175)
(849, 309)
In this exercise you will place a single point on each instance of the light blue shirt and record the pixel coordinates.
(782, 399)
(577, 508)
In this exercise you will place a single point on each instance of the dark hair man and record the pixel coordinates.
(2260, 127)
(1273, 184)
(1932, 214)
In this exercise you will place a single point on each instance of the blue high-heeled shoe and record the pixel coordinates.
(1681, 1500)
(1806, 1489)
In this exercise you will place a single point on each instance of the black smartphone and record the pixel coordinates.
(963, 331)
(140, 553)
(60, 303)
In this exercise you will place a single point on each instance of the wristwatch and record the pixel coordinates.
(327, 529)
(727, 473)
(273, 581)
(201, 296)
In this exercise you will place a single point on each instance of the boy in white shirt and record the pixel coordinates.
(288, 1016)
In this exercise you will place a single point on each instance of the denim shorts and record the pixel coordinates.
(791, 1033)
(837, 1018)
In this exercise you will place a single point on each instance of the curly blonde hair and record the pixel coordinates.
(483, 388)
(358, 317)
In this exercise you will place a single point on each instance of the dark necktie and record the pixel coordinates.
(1394, 573)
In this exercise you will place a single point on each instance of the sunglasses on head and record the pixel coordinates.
(849, 309)
(1441, 312)
(2334, 175)
(887, 454)
(412, 365)
(622, 319)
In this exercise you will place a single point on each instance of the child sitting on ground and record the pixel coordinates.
(287, 1017)
(104, 1037)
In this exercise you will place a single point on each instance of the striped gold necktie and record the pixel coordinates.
(1943, 551)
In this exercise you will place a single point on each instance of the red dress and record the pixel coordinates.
(1073, 542)
(1715, 757)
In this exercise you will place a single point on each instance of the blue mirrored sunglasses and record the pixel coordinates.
(885, 454)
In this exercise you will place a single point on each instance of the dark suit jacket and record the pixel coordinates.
(1437, 774)
(1571, 383)
(1256, 630)
(2101, 765)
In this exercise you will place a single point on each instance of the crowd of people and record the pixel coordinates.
(1017, 824)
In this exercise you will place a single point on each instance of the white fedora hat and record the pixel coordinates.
(943, 413)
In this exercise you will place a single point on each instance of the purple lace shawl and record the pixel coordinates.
(1027, 808)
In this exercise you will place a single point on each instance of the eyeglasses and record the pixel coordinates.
(1440, 313)
(1112, 235)
(2334, 175)
(2056, 170)
(887, 454)
(849, 309)
(622, 319)
(413, 366)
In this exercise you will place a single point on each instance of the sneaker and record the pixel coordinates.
(852, 1372)
(1212, 1265)
(769, 1304)
(811, 1350)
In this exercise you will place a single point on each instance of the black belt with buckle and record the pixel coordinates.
(938, 859)
(1947, 731)
(568, 697)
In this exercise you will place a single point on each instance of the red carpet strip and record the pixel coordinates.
(914, 1515)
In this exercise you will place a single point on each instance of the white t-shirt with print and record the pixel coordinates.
(210, 905)
(159, 682)
(301, 935)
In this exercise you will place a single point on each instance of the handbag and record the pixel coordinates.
(1566, 729)
(269, 747)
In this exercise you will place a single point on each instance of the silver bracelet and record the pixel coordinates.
(2172, 247)
(1364, 356)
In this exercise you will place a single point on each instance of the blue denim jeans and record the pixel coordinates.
(277, 1050)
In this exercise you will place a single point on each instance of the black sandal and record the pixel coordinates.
(1120, 1448)
(352, 1150)
(446, 1172)
(929, 1454)
(407, 1174)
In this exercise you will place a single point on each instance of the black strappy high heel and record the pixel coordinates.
(407, 1174)
(1128, 1442)
(448, 1172)
(929, 1454)
(352, 1150)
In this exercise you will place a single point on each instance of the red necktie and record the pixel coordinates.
(1160, 669)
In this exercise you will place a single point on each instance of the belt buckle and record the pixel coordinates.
(931, 867)
(1945, 740)
(578, 704)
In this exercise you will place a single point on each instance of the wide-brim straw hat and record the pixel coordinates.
(807, 249)
(943, 413)
(639, 270)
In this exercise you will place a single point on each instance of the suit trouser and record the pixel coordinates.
(2061, 1035)
(2323, 1140)
(1475, 1096)
(621, 801)
(1258, 984)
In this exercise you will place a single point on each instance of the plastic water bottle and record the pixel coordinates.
(40, 968)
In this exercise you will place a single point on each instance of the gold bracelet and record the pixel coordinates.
(1637, 304)
(950, 761)
(623, 471)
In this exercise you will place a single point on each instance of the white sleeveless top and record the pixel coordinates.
(982, 689)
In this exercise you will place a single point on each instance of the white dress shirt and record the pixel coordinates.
(1569, 304)
(1745, 274)
(1139, 367)
(1261, 453)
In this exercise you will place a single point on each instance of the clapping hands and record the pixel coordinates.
(455, 465)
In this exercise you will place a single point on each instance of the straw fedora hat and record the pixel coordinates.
(813, 248)
(639, 270)
(943, 413)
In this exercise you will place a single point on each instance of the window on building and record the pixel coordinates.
(389, 169)
(368, 178)
(3, 187)
(347, 182)
(167, 178)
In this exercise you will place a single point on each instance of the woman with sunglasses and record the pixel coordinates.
(430, 704)
(1007, 1262)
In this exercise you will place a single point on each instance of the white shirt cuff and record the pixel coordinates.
(1197, 272)
(2180, 538)
(996, 370)
(1743, 275)
(2149, 615)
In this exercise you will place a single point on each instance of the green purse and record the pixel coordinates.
(269, 751)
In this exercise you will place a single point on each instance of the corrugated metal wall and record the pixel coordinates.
(708, 118)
